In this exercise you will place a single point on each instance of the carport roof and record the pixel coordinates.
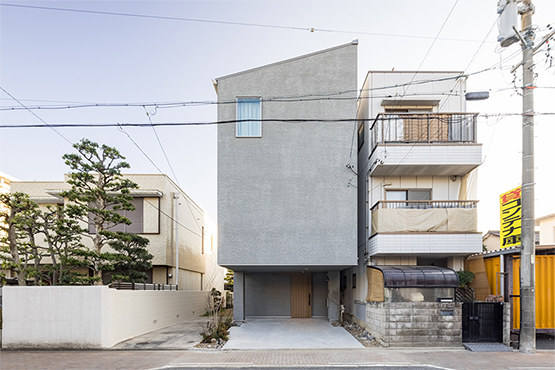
(418, 277)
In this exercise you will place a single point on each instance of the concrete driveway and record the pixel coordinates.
(183, 335)
(290, 334)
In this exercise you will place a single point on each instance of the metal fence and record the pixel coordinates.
(141, 286)
(482, 322)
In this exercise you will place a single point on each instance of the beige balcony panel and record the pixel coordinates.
(424, 220)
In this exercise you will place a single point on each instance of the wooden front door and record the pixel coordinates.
(301, 296)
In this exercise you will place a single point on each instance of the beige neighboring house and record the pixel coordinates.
(163, 214)
(492, 240)
(546, 225)
(5, 181)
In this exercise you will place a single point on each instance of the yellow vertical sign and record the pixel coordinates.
(510, 218)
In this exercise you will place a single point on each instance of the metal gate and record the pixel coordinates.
(482, 322)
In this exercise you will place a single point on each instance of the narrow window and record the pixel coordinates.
(354, 281)
(361, 135)
(249, 109)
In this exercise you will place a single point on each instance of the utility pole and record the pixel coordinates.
(527, 342)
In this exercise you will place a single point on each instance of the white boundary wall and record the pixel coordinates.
(90, 316)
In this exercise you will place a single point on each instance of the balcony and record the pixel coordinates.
(425, 144)
(424, 216)
(438, 228)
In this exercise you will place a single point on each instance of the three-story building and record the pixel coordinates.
(286, 198)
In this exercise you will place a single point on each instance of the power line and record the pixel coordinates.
(171, 218)
(208, 123)
(161, 146)
(142, 151)
(405, 90)
(282, 99)
(260, 25)
(40, 119)
(166, 105)
(471, 61)
(187, 201)
(429, 49)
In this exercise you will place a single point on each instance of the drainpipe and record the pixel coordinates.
(176, 199)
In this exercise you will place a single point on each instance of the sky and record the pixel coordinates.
(170, 51)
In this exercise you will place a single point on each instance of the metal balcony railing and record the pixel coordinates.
(423, 204)
(423, 128)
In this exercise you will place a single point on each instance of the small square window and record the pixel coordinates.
(249, 109)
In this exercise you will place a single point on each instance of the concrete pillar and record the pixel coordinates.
(507, 324)
(239, 296)
(334, 294)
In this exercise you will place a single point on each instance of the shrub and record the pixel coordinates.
(465, 277)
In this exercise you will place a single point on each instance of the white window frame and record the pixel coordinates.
(237, 116)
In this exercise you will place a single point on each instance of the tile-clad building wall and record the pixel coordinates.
(419, 244)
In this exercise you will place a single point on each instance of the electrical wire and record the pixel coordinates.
(33, 113)
(148, 114)
(159, 170)
(138, 147)
(407, 86)
(167, 105)
(282, 99)
(287, 120)
(309, 29)
(177, 222)
(471, 61)
(161, 146)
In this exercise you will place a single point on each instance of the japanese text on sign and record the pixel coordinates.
(510, 218)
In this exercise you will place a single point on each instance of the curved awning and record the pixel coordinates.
(418, 277)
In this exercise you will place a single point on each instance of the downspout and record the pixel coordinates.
(176, 199)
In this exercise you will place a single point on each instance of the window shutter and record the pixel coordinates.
(136, 217)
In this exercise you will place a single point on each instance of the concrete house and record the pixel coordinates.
(417, 215)
(286, 198)
(177, 227)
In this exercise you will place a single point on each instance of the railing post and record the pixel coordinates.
(429, 128)
(382, 124)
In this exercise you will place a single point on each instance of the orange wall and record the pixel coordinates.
(492, 268)
(545, 292)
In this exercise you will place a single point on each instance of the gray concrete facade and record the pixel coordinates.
(284, 198)
(286, 203)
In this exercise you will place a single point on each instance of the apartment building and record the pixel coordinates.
(417, 207)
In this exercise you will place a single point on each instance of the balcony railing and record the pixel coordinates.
(423, 204)
(423, 128)
(423, 216)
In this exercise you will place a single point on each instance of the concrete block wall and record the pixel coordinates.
(415, 324)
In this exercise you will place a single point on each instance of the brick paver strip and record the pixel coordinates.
(144, 360)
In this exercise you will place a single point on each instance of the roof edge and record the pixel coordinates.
(352, 43)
